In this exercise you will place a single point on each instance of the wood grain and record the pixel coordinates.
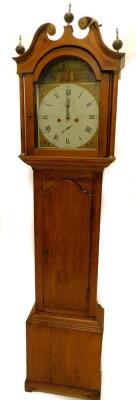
(62, 350)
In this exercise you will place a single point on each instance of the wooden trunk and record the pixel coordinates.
(64, 329)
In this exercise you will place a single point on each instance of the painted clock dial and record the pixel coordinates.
(68, 116)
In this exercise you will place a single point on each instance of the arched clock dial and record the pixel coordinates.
(68, 116)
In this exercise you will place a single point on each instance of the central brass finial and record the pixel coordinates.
(68, 17)
(69, 7)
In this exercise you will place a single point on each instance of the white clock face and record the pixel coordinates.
(68, 116)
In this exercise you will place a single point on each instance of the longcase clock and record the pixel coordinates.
(68, 97)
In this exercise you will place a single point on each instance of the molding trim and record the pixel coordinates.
(91, 164)
(67, 322)
(62, 390)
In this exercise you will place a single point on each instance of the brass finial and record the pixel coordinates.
(20, 49)
(51, 29)
(68, 17)
(117, 44)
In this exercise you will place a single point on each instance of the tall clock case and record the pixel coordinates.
(68, 96)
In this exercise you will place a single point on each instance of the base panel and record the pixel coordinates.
(32, 386)
(64, 354)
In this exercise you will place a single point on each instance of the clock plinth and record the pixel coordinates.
(68, 96)
(64, 349)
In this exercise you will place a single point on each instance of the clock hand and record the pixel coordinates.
(67, 105)
(67, 109)
(67, 113)
(68, 127)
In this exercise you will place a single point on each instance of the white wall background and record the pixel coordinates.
(117, 261)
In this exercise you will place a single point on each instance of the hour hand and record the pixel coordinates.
(68, 127)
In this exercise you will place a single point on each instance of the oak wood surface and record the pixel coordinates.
(62, 348)
(67, 259)
(66, 251)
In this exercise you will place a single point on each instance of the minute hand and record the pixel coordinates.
(67, 105)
